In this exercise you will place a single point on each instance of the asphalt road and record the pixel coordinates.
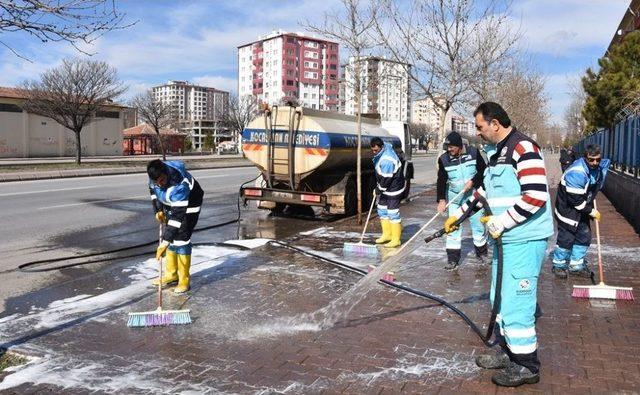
(92, 212)
(56, 218)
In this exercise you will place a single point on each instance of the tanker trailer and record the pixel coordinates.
(308, 157)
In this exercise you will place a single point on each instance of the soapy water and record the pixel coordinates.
(337, 310)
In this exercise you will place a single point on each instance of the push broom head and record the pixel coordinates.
(159, 317)
(360, 249)
(602, 291)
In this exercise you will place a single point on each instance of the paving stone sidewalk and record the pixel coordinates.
(244, 339)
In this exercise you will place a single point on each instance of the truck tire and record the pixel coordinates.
(350, 197)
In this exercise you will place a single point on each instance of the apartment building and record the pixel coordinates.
(385, 88)
(285, 67)
(200, 109)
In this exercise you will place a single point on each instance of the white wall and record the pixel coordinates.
(30, 135)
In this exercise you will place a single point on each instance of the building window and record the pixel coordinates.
(4, 107)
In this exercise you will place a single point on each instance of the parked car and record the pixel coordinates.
(227, 147)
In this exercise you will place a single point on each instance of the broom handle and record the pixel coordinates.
(373, 201)
(599, 248)
(160, 231)
(437, 213)
(397, 250)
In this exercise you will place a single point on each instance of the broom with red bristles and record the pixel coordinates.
(601, 291)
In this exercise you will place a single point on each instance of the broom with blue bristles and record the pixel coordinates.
(361, 248)
(159, 316)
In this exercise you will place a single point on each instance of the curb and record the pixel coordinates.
(47, 175)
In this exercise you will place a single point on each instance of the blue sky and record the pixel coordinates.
(196, 40)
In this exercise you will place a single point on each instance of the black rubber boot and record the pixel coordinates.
(559, 272)
(453, 259)
(515, 375)
(583, 271)
(493, 361)
(482, 253)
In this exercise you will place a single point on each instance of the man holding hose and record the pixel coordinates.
(515, 187)
(460, 169)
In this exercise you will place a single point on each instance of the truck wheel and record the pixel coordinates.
(407, 190)
(350, 197)
(278, 209)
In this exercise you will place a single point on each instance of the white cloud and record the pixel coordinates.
(218, 82)
(563, 28)
(559, 88)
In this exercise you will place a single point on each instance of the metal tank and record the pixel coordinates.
(308, 157)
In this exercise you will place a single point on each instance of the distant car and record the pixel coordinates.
(227, 148)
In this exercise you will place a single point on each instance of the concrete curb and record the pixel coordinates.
(45, 175)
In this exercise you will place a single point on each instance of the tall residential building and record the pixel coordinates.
(282, 66)
(385, 88)
(200, 109)
(425, 112)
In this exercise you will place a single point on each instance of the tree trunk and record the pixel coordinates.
(359, 164)
(442, 130)
(164, 156)
(78, 147)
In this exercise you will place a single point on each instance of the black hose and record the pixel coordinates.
(498, 248)
(497, 300)
(25, 267)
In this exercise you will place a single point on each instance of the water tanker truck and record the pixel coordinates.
(308, 157)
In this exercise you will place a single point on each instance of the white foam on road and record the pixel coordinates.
(61, 311)
(72, 373)
(434, 365)
(249, 243)
(281, 327)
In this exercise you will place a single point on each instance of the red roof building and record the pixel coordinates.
(143, 140)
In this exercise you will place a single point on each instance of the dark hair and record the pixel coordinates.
(155, 169)
(491, 111)
(376, 141)
(592, 150)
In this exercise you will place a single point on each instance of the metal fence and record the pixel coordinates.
(622, 145)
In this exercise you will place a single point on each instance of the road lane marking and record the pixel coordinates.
(96, 186)
(93, 202)
(49, 190)
(142, 174)
(228, 188)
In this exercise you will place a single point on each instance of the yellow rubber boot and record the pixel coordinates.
(386, 231)
(184, 265)
(396, 233)
(170, 274)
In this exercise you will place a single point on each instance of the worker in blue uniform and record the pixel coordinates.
(515, 186)
(390, 186)
(574, 209)
(176, 197)
(461, 168)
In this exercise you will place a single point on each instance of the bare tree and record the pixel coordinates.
(521, 90)
(574, 122)
(352, 26)
(73, 21)
(242, 110)
(156, 113)
(73, 93)
(452, 44)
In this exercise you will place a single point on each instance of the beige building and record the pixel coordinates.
(385, 88)
(200, 110)
(425, 112)
(25, 135)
